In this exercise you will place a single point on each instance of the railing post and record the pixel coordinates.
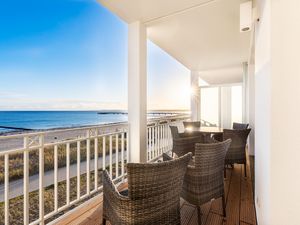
(68, 174)
(88, 157)
(117, 154)
(26, 182)
(103, 153)
(110, 156)
(122, 156)
(41, 179)
(78, 169)
(152, 142)
(6, 189)
(55, 178)
(96, 162)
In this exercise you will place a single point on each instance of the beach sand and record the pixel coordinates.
(15, 140)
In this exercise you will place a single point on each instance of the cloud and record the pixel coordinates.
(57, 104)
(10, 95)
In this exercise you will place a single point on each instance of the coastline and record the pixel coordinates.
(58, 129)
(13, 125)
(14, 139)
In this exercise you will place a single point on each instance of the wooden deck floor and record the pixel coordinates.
(239, 205)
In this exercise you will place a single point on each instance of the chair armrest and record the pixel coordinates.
(115, 205)
(110, 190)
(191, 168)
(191, 172)
(166, 157)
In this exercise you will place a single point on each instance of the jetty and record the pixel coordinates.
(15, 128)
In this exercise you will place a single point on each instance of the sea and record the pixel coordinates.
(40, 120)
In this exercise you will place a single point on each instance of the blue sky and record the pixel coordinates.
(72, 54)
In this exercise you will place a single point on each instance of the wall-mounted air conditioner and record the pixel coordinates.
(246, 16)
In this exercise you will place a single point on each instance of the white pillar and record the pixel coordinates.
(251, 107)
(195, 97)
(220, 106)
(226, 107)
(137, 92)
(245, 93)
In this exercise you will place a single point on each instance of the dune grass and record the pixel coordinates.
(16, 160)
(16, 204)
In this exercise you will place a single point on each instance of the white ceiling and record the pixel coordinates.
(229, 75)
(201, 34)
(145, 10)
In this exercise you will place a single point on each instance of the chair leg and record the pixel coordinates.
(245, 169)
(199, 214)
(224, 205)
(103, 221)
(224, 171)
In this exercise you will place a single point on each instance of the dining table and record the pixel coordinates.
(217, 132)
(208, 130)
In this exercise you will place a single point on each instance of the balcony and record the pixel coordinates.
(47, 174)
(53, 177)
(239, 205)
(206, 37)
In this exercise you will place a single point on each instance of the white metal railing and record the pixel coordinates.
(78, 161)
(159, 137)
(113, 150)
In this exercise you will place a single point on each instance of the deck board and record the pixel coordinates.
(239, 205)
(247, 213)
(205, 209)
(187, 211)
(215, 219)
(233, 199)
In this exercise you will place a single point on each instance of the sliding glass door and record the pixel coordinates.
(222, 105)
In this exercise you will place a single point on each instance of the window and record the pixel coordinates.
(210, 105)
(222, 105)
(237, 104)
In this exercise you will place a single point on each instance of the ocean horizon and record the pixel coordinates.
(11, 121)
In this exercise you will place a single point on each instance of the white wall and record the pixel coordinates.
(262, 115)
(277, 110)
(285, 166)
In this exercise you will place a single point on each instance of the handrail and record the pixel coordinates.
(60, 130)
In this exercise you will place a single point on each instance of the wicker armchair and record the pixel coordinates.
(237, 151)
(204, 180)
(153, 195)
(183, 145)
(175, 133)
(240, 126)
(218, 137)
(194, 124)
